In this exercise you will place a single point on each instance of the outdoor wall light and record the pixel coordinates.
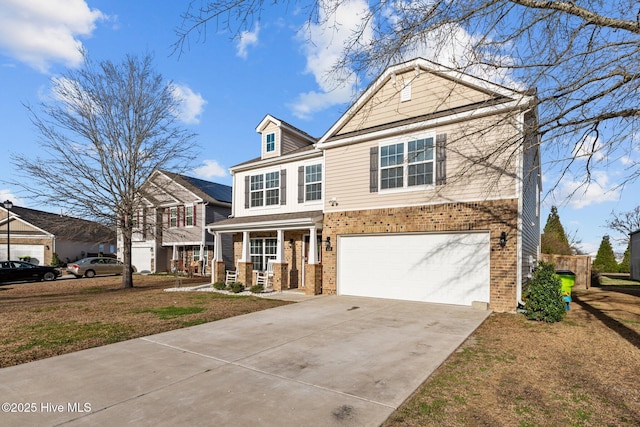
(503, 239)
(328, 244)
(291, 243)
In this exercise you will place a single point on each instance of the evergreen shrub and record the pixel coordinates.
(543, 297)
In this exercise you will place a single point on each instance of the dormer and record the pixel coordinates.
(279, 138)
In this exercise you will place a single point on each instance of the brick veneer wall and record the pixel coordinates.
(494, 216)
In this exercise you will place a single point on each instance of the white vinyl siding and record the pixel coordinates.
(287, 190)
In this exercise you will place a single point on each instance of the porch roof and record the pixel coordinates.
(285, 221)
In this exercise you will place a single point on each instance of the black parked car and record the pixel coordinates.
(17, 271)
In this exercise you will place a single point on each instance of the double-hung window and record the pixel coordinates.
(391, 166)
(272, 184)
(189, 216)
(173, 217)
(257, 190)
(271, 142)
(265, 189)
(407, 164)
(313, 182)
(261, 251)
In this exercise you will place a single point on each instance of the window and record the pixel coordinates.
(257, 187)
(271, 142)
(262, 250)
(196, 253)
(391, 169)
(408, 164)
(273, 188)
(173, 217)
(420, 159)
(313, 182)
(265, 189)
(189, 216)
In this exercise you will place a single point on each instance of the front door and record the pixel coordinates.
(305, 253)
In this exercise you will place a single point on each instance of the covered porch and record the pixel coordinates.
(283, 240)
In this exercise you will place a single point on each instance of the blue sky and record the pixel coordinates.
(228, 86)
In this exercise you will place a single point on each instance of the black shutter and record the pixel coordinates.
(373, 170)
(441, 159)
(246, 192)
(283, 187)
(300, 184)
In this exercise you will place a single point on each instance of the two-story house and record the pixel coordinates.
(428, 190)
(169, 227)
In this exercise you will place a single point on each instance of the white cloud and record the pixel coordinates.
(191, 104)
(210, 169)
(324, 44)
(40, 33)
(247, 38)
(577, 194)
(6, 194)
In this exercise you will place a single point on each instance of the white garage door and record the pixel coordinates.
(36, 252)
(449, 268)
(141, 258)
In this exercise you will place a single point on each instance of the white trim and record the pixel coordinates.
(428, 66)
(275, 161)
(267, 225)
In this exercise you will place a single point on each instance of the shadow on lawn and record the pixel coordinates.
(615, 325)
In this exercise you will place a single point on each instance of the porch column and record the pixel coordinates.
(245, 255)
(280, 246)
(280, 280)
(313, 246)
(218, 274)
(245, 266)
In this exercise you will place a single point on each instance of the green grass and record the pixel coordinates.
(616, 281)
(171, 312)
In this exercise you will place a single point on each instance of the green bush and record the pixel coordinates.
(219, 286)
(257, 289)
(543, 298)
(236, 287)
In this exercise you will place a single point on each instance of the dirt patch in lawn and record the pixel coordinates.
(45, 319)
(583, 371)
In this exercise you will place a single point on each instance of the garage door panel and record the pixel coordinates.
(450, 268)
(141, 258)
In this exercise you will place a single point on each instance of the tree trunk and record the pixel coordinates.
(127, 274)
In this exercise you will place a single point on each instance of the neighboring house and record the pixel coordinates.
(38, 235)
(169, 227)
(426, 189)
(635, 255)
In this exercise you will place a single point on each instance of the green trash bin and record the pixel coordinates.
(567, 280)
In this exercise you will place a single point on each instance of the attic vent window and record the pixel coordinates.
(405, 93)
(271, 142)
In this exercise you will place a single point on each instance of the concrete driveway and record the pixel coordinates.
(327, 361)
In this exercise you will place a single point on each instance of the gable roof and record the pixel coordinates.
(65, 227)
(284, 125)
(212, 190)
(498, 97)
(208, 191)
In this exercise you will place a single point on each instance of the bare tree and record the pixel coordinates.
(625, 223)
(106, 127)
(583, 58)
